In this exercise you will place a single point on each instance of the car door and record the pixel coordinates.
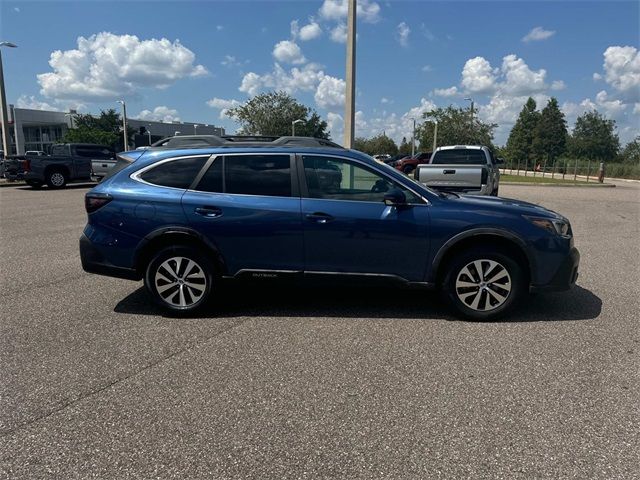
(349, 229)
(249, 207)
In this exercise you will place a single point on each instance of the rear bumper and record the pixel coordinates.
(94, 262)
(565, 277)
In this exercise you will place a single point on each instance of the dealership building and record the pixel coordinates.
(40, 129)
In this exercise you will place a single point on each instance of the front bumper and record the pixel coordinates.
(565, 277)
(94, 262)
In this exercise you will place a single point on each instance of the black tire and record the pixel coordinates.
(495, 192)
(193, 286)
(56, 179)
(408, 170)
(35, 185)
(488, 306)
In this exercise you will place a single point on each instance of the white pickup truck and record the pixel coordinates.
(469, 169)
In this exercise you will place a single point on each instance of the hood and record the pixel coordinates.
(510, 205)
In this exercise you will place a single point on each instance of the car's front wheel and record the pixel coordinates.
(180, 280)
(483, 284)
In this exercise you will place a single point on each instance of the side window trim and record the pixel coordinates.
(202, 171)
(304, 188)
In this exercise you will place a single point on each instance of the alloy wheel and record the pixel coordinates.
(180, 282)
(57, 179)
(483, 285)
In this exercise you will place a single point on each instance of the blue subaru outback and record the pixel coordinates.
(184, 219)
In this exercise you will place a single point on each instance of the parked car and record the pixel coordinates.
(382, 158)
(13, 167)
(463, 169)
(68, 162)
(35, 153)
(408, 165)
(184, 219)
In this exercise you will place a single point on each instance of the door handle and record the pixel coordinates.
(209, 212)
(448, 172)
(319, 217)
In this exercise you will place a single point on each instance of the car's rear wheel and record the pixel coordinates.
(56, 179)
(483, 283)
(180, 280)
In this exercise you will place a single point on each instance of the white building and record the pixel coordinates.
(40, 129)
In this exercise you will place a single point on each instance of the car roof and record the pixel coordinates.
(461, 147)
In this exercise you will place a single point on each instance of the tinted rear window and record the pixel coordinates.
(175, 173)
(459, 156)
(102, 153)
(266, 175)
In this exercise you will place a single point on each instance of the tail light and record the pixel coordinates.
(95, 201)
(26, 165)
(485, 176)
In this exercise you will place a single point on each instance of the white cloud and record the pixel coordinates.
(330, 92)
(622, 71)
(219, 28)
(287, 51)
(368, 11)
(295, 29)
(231, 61)
(612, 107)
(335, 125)
(385, 100)
(427, 33)
(109, 66)
(16, 9)
(478, 76)
(427, 68)
(32, 103)
(223, 105)
(597, 77)
(159, 114)
(538, 33)
(558, 85)
(339, 33)
(403, 34)
(305, 79)
(519, 78)
(310, 31)
(446, 92)
(636, 109)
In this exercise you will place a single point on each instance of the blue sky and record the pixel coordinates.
(191, 60)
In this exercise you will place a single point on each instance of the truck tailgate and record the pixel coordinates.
(454, 177)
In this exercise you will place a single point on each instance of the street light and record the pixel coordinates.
(435, 136)
(124, 124)
(3, 102)
(469, 99)
(413, 138)
(293, 126)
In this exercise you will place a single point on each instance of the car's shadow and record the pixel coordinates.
(44, 188)
(299, 301)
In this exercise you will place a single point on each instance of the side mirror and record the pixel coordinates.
(500, 161)
(395, 197)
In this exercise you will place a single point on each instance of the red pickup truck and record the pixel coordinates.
(408, 165)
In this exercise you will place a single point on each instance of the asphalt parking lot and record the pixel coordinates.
(309, 383)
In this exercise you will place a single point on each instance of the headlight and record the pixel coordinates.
(558, 227)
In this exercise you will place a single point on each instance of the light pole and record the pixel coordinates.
(413, 138)
(195, 129)
(3, 102)
(293, 126)
(435, 136)
(469, 99)
(350, 77)
(124, 124)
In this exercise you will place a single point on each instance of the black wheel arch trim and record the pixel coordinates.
(187, 232)
(474, 232)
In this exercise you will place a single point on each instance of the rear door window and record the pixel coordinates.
(265, 175)
(459, 156)
(178, 173)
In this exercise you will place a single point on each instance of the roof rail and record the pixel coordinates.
(208, 141)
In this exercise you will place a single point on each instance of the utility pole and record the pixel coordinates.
(293, 126)
(3, 103)
(350, 78)
(435, 136)
(413, 138)
(124, 124)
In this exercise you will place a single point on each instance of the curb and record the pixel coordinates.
(572, 185)
(13, 184)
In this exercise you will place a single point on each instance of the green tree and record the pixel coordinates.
(550, 134)
(405, 147)
(519, 146)
(105, 129)
(594, 137)
(273, 113)
(380, 144)
(456, 126)
(631, 153)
